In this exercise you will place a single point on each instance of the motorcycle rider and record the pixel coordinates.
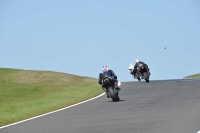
(112, 76)
(137, 63)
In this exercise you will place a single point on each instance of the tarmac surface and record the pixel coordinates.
(160, 106)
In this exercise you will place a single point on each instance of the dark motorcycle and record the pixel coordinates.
(143, 72)
(110, 87)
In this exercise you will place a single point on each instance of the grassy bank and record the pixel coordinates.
(193, 76)
(25, 93)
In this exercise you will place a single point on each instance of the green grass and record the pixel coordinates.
(26, 93)
(193, 76)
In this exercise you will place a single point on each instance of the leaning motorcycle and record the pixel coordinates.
(143, 72)
(110, 87)
(137, 74)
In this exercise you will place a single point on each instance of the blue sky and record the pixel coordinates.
(80, 36)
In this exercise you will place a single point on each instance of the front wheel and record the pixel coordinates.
(138, 76)
(113, 94)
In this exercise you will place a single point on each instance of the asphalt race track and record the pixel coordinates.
(168, 106)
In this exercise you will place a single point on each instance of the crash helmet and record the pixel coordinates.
(104, 69)
(137, 61)
(130, 66)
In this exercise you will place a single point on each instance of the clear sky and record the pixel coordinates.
(80, 36)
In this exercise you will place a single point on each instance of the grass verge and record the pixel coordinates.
(193, 76)
(26, 93)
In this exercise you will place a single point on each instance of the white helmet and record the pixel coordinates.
(137, 61)
(131, 66)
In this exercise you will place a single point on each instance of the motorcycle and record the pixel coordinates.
(143, 72)
(137, 75)
(110, 87)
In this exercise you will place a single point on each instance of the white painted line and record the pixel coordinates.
(198, 132)
(52, 111)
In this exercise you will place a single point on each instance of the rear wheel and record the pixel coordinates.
(146, 77)
(113, 94)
